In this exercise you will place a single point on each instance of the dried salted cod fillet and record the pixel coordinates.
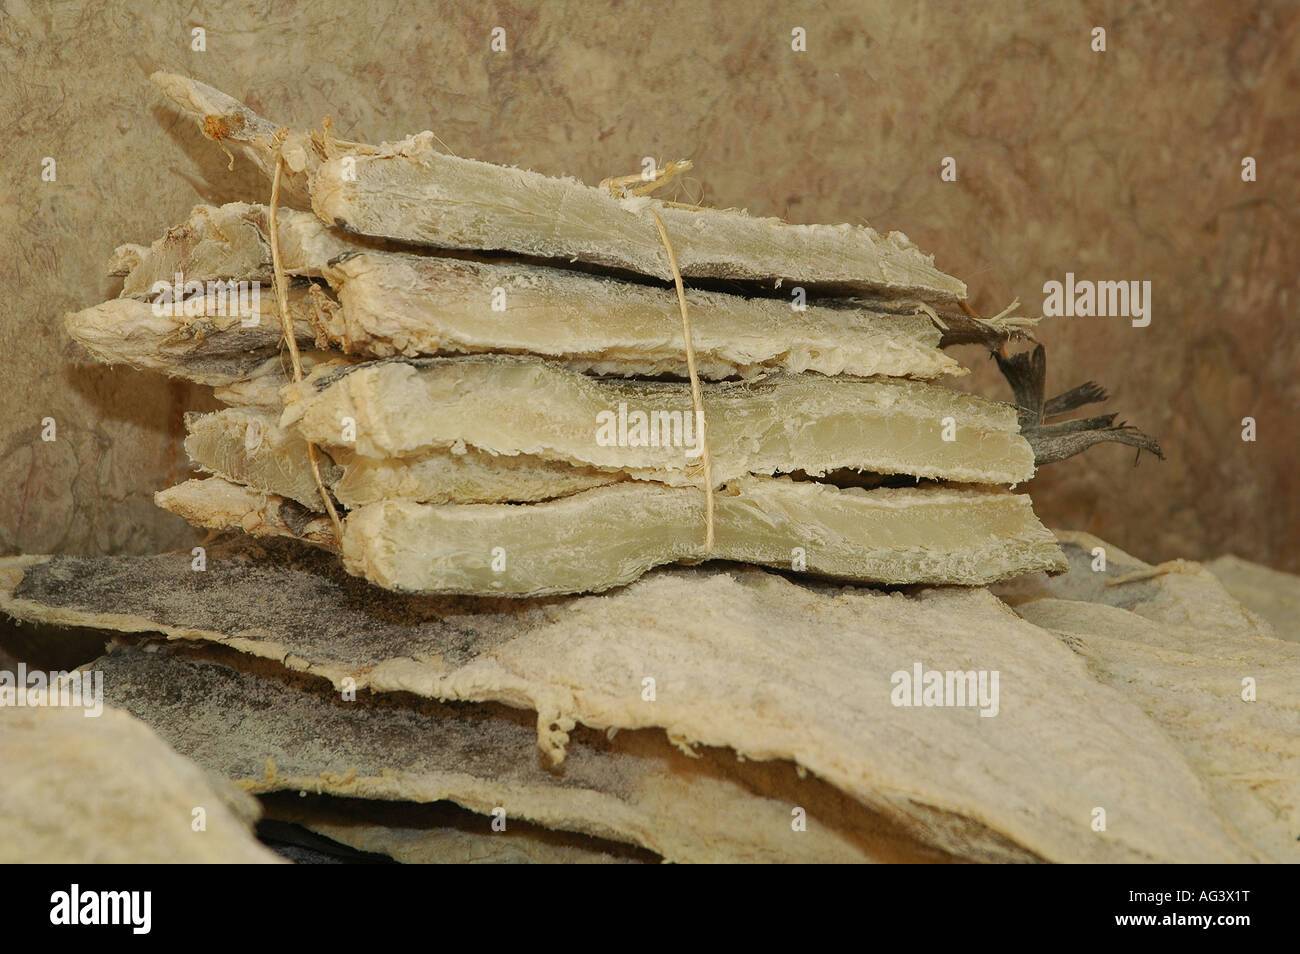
(1269, 593)
(1174, 641)
(220, 505)
(450, 478)
(413, 305)
(442, 834)
(247, 446)
(231, 241)
(609, 536)
(107, 790)
(271, 734)
(612, 535)
(779, 424)
(411, 192)
(217, 344)
(744, 658)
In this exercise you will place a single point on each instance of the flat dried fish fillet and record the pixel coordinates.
(412, 305)
(1269, 593)
(411, 192)
(744, 658)
(779, 424)
(395, 303)
(271, 735)
(609, 536)
(1177, 643)
(216, 345)
(107, 790)
(450, 478)
(247, 446)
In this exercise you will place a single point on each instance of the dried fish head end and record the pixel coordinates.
(246, 446)
(260, 386)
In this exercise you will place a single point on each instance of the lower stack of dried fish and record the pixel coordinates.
(1118, 729)
(509, 422)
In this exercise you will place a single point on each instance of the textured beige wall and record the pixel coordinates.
(1122, 165)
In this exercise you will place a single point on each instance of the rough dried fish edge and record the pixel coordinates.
(231, 242)
(259, 389)
(360, 831)
(218, 504)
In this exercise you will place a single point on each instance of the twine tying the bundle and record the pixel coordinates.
(286, 327)
(620, 187)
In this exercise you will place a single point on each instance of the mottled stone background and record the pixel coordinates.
(1115, 165)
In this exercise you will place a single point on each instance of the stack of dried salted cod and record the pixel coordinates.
(487, 416)
(512, 451)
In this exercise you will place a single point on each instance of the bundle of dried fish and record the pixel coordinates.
(391, 302)
(473, 400)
